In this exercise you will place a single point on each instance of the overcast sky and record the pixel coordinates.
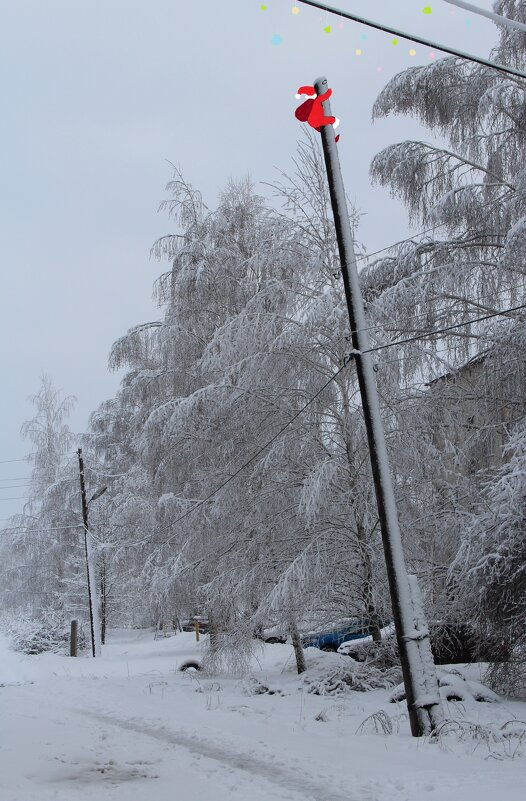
(98, 96)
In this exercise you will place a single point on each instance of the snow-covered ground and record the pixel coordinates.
(131, 726)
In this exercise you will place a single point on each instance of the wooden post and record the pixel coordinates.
(73, 640)
(197, 630)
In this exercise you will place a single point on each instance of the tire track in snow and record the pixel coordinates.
(277, 774)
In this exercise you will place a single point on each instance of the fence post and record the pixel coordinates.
(73, 641)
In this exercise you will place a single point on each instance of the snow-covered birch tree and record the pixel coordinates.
(467, 190)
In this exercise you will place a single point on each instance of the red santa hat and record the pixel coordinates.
(308, 91)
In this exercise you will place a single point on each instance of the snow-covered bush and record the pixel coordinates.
(505, 741)
(230, 652)
(454, 687)
(382, 655)
(468, 191)
(509, 678)
(32, 635)
(358, 676)
(254, 686)
(491, 565)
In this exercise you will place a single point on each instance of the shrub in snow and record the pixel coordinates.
(382, 655)
(491, 563)
(255, 687)
(453, 687)
(377, 723)
(48, 632)
(230, 653)
(509, 678)
(506, 741)
(357, 676)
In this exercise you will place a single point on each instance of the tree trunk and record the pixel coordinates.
(213, 632)
(298, 648)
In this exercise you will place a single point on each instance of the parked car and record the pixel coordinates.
(274, 635)
(331, 637)
(189, 625)
(271, 634)
(452, 643)
(358, 647)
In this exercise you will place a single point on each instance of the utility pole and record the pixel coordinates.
(103, 596)
(423, 700)
(90, 565)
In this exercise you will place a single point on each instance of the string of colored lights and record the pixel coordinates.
(452, 51)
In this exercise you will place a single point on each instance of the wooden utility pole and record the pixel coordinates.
(90, 565)
(423, 701)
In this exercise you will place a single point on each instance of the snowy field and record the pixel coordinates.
(132, 726)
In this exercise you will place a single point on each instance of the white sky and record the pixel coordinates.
(99, 95)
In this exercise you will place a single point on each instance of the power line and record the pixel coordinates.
(102, 473)
(420, 233)
(260, 451)
(12, 529)
(418, 39)
(416, 235)
(10, 461)
(396, 324)
(424, 335)
(18, 498)
(436, 226)
(498, 18)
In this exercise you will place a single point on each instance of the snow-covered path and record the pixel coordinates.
(131, 726)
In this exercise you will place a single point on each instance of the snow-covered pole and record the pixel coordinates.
(90, 565)
(419, 702)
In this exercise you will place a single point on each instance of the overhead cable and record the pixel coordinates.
(498, 18)
(248, 462)
(263, 448)
(427, 334)
(29, 530)
(424, 335)
(452, 51)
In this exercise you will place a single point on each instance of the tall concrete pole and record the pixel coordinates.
(420, 716)
(90, 565)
